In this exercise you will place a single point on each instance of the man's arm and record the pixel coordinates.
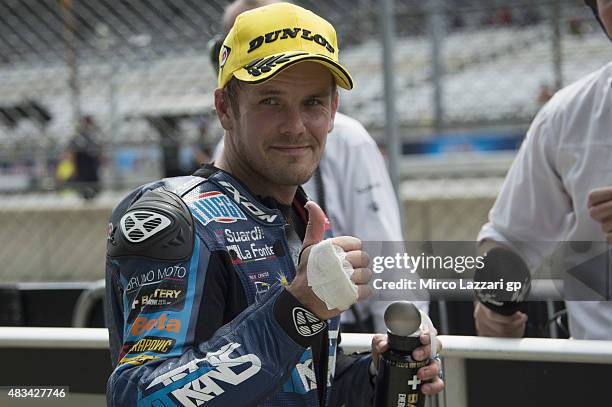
(162, 303)
(243, 363)
(529, 214)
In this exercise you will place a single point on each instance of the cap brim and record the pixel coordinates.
(341, 75)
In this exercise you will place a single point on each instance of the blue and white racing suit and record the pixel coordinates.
(197, 309)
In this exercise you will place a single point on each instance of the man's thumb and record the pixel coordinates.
(315, 230)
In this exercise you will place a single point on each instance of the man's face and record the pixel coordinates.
(604, 8)
(280, 129)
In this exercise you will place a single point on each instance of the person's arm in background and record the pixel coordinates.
(360, 198)
(530, 210)
(599, 203)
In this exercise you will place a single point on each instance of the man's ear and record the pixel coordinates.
(224, 109)
(334, 108)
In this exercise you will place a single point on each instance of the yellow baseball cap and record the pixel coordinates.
(268, 39)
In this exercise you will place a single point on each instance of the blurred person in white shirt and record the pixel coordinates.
(559, 189)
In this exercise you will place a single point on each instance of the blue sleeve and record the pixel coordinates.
(352, 383)
(174, 342)
(244, 362)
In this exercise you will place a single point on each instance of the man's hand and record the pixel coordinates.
(599, 203)
(490, 323)
(351, 245)
(429, 373)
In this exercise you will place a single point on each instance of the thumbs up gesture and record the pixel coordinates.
(359, 259)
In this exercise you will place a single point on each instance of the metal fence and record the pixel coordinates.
(141, 70)
(125, 86)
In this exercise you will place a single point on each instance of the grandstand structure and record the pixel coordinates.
(493, 75)
(138, 61)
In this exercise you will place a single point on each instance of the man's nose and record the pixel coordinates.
(293, 122)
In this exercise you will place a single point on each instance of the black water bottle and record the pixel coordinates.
(397, 384)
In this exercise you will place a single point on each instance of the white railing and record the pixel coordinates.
(456, 350)
(57, 338)
(459, 348)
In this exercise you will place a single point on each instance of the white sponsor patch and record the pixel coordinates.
(306, 323)
(251, 207)
(139, 225)
(206, 387)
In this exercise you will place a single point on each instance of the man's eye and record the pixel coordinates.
(313, 102)
(269, 101)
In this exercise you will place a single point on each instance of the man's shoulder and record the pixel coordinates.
(580, 93)
(178, 186)
(154, 221)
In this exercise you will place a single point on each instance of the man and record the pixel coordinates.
(208, 276)
(352, 186)
(85, 151)
(558, 189)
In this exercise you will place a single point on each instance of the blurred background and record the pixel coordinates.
(99, 96)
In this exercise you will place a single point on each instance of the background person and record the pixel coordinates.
(558, 189)
(86, 155)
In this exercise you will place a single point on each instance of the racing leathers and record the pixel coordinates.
(197, 309)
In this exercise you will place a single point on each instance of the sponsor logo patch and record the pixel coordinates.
(215, 206)
(139, 225)
(251, 207)
(289, 33)
(158, 290)
(261, 287)
(239, 236)
(155, 344)
(137, 360)
(258, 275)
(160, 297)
(262, 282)
(149, 299)
(241, 254)
(262, 65)
(306, 323)
(225, 52)
(216, 371)
(160, 323)
(170, 273)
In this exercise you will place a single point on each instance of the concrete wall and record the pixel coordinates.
(64, 238)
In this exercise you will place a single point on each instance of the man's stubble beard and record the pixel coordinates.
(291, 174)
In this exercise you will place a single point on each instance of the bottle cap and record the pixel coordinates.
(405, 322)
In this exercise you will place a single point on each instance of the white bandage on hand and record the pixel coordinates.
(329, 276)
